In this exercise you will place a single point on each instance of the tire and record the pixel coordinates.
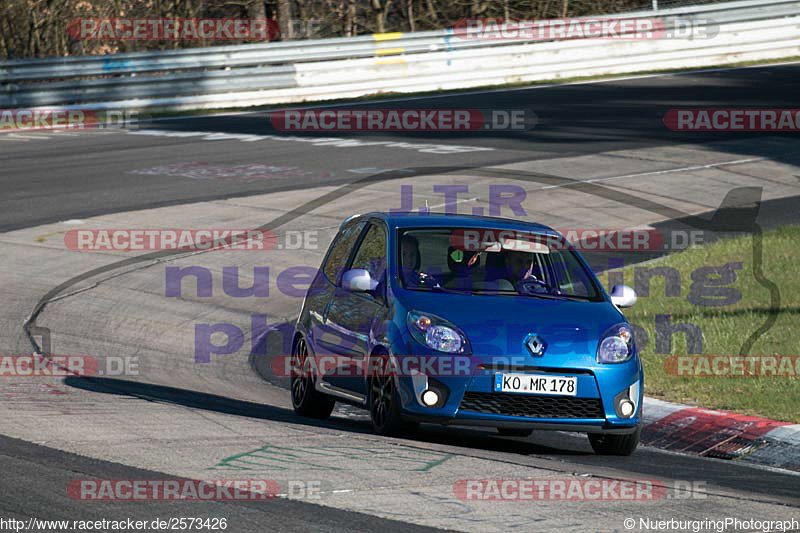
(384, 404)
(306, 400)
(604, 444)
(514, 432)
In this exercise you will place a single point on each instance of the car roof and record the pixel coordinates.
(433, 220)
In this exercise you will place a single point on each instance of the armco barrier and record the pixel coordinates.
(299, 71)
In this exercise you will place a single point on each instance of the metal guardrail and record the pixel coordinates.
(296, 71)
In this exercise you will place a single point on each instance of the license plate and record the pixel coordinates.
(536, 384)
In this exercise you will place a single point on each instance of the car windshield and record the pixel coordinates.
(486, 261)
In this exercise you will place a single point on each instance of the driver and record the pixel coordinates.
(519, 271)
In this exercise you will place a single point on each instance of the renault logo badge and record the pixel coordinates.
(534, 344)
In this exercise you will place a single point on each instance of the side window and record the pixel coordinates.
(572, 281)
(371, 254)
(340, 252)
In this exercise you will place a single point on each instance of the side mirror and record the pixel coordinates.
(358, 279)
(623, 296)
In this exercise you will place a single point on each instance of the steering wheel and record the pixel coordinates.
(532, 285)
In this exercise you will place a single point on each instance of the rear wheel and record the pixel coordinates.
(307, 400)
(605, 444)
(514, 432)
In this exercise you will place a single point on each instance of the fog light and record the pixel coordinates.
(430, 398)
(626, 408)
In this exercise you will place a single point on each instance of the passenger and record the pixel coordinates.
(410, 261)
(409, 253)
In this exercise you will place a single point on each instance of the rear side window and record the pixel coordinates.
(340, 252)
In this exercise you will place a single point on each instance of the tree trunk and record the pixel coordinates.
(432, 13)
(410, 13)
(381, 12)
(257, 9)
(350, 19)
(303, 16)
(285, 19)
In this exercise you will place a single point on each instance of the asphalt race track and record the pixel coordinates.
(599, 156)
(574, 120)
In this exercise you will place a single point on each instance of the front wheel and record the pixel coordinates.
(384, 403)
(604, 444)
(306, 399)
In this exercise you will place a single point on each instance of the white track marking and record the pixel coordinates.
(34, 137)
(654, 173)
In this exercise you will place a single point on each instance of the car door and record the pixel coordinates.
(352, 313)
(318, 301)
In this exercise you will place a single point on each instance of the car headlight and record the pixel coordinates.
(437, 333)
(616, 345)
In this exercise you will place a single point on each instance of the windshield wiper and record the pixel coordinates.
(557, 297)
(542, 295)
(436, 286)
(439, 288)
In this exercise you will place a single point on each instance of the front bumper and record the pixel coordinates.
(471, 401)
(527, 423)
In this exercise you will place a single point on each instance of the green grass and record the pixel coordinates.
(726, 329)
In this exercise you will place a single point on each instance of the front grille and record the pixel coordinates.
(532, 406)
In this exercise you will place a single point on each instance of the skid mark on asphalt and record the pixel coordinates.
(271, 457)
(200, 170)
(11, 391)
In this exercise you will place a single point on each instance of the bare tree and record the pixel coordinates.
(412, 26)
(350, 28)
(381, 10)
(37, 28)
(285, 19)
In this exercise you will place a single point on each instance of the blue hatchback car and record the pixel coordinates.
(467, 320)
